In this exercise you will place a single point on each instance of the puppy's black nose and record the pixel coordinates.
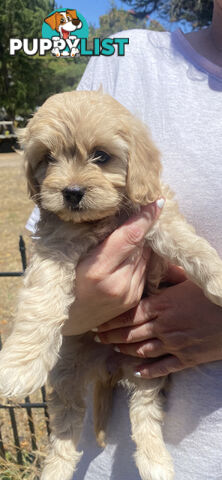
(73, 195)
(75, 22)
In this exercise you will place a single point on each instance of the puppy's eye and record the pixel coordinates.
(62, 20)
(49, 158)
(100, 157)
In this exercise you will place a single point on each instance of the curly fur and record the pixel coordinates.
(60, 142)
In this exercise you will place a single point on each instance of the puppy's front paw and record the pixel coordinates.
(55, 52)
(161, 469)
(21, 380)
(74, 52)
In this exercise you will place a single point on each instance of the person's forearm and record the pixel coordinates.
(179, 328)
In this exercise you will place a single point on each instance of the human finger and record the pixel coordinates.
(131, 277)
(138, 315)
(148, 349)
(118, 285)
(122, 242)
(128, 334)
(159, 368)
(141, 254)
(175, 274)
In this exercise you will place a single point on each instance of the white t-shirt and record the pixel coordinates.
(178, 94)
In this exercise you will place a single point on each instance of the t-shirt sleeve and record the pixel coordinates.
(104, 70)
(100, 72)
(33, 220)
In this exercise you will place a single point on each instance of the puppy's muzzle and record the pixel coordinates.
(73, 195)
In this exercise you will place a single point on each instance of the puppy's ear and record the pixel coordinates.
(72, 14)
(144, 168)
(32, 184)
(52, 21)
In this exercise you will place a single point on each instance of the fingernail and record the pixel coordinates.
(137, 374)
(116, 349)
(160, 202)
(97, 339)
(94, 329)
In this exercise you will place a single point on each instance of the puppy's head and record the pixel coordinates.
(64, 22)
(86, 156)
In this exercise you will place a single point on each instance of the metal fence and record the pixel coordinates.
(27, 404)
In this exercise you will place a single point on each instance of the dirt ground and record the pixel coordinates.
(15, 208)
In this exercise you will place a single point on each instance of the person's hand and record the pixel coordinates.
(110, 280)
(177, 329)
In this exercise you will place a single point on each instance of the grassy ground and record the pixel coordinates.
(15, 208)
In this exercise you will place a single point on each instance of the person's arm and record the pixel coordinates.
(177, 329)
(110, 280)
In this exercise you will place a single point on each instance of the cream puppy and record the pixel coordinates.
(90, 164)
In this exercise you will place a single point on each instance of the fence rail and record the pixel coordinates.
(27, 404)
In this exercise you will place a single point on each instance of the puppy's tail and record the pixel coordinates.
(102, 405)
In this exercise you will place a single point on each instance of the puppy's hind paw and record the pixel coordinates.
(154, 470)
(61, 467)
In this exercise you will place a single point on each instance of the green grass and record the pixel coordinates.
(10, 470)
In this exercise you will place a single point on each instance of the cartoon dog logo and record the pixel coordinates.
(64, 23)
